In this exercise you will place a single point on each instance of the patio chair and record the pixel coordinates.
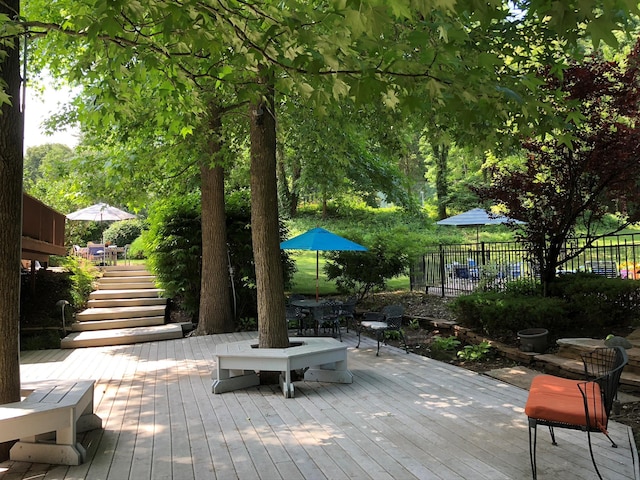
(328, 316)
(348, 311)
(387, 320)
(574, 404)
(295, 317)
(95, 252)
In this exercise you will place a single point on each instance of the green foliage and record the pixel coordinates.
(475, 353)
(393, 334)
(44, 340)
(597, 300)
(238, 210)
(414, 324)
(173, 243)
(361, 273)
(497, 313)
(445, 344)
(138, 248)
(124, 232)
(83, 274)
(247, 324)
(579, 302)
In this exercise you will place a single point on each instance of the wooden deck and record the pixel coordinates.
(403, 417)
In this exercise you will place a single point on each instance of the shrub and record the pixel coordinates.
(446, 344)
(82, 276)
(362, 273)
(238, 210)
(475, 353)
(174, 248)
(497, 313)
(124, 232)
(137, 248)
(599, 301)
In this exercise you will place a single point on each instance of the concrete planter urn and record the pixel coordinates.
(533, 340)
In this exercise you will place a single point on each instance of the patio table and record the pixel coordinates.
(315, 306)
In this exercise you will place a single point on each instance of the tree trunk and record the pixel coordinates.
(441, 154)
(11, 146)
(272, 327)
(215, 299)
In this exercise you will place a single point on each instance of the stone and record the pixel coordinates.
(616, 341)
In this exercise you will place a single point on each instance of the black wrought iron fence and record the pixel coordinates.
(454, 269)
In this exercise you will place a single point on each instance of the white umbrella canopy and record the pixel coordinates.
(478, 217)
(100, 212)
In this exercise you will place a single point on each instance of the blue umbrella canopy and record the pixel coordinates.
(320, 239)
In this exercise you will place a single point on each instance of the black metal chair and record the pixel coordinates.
(348, 311)
(295, 316)
(387, 320)
(574, 404)
(328, 316)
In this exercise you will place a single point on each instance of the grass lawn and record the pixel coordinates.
(304, 280)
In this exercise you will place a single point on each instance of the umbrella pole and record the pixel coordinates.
(317, 275)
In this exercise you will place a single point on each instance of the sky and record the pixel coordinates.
(37, 109)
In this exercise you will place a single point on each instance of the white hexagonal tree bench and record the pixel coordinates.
(325, 360)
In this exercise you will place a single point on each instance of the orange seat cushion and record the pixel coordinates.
(559, 400)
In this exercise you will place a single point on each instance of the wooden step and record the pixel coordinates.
(120, 312)
(126, 273)
(106, 281)
(125, 286)
(126, 293)
(122, 336)
(92, 325)
(122, 268)
(126, 302)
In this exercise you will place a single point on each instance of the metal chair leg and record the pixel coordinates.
(532, 446)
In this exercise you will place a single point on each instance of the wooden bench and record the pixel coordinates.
(324, 358)
(46, 420)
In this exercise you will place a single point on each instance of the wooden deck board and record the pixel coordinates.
(404, 416)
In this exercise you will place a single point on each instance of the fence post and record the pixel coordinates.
(442, 270)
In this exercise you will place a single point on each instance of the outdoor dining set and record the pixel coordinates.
(310, 316)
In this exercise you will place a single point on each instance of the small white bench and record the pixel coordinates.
(324, 358)
(59, 407)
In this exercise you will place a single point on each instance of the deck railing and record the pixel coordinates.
(42, 230)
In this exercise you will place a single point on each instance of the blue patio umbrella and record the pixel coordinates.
(319, 239)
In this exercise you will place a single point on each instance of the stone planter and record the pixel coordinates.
(533, 340)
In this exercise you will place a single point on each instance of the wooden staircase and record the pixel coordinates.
(126, 308)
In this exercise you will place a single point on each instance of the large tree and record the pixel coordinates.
(468, 56)
(583, 170)
(11, 146)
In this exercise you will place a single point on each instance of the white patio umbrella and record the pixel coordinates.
(478, 217)
(100, 212)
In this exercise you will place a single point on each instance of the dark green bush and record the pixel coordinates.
(584, 303)
(498, 313)
(174, 246)
(238, 210)
(124, 232)
(599, 301)
(137, 249)
(361, 273)
(173, 243)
